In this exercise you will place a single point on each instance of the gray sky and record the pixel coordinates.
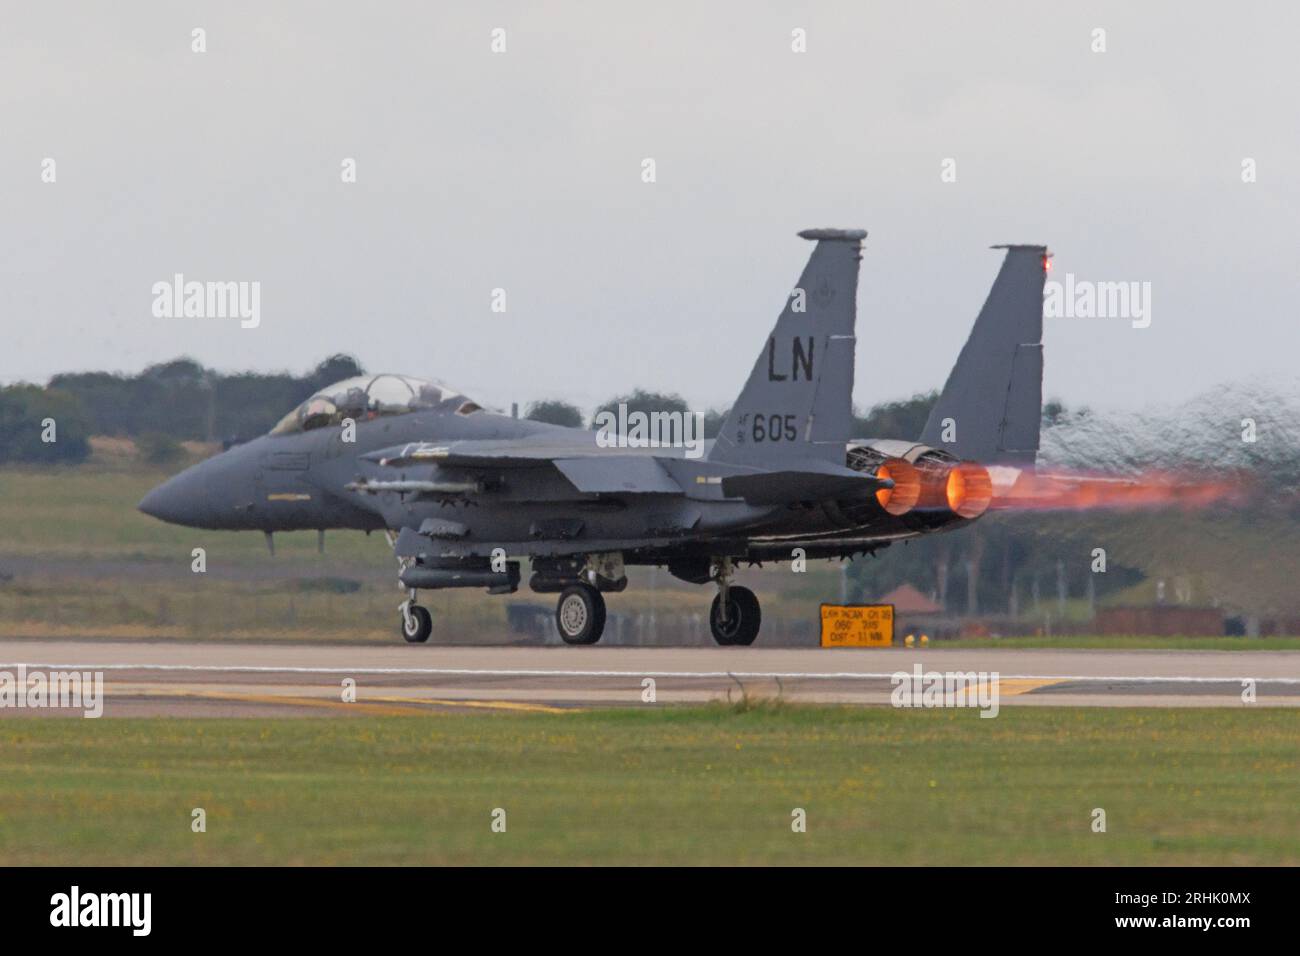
(522, 170)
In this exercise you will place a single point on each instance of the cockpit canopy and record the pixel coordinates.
(371, 396)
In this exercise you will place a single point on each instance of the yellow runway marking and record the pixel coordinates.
(364, 706)
(1011, 686)
(486, 704)
(283, 700)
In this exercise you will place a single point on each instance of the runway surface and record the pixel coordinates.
(148, 678)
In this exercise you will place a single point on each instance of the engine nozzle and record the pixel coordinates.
(968, 490)
(901, 498)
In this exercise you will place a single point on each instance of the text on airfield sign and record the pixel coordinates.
(857, 625)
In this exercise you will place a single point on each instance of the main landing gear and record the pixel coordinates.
(580, 614)
(735, 616)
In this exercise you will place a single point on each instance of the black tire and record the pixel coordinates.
(418, 626)
(743, 618)
(580, 614)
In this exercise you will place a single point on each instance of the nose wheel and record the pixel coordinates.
(417, 623)
(580, 614)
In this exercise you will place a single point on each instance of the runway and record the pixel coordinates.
(180, 678)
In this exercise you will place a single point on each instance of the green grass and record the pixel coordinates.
(202, 607)
(1129, 642)
(668, 786)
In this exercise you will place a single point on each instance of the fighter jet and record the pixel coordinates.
(465, 495)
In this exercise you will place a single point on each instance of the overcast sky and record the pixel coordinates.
(522, 170)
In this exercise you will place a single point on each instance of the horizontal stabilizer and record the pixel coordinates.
(820, 482)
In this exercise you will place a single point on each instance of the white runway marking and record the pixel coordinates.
(649, 672)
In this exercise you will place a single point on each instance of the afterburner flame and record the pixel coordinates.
(969, 490)
(902, 498)
(1047, 491)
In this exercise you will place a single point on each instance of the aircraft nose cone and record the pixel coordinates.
(168, 502)
(216, 494)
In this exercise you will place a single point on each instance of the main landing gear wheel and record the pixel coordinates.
(417, 624)
(580, 614)
(743, 618)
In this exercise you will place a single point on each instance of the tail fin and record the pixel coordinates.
(991, 407)
(798, 401)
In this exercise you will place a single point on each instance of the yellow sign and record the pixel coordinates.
(857, 625)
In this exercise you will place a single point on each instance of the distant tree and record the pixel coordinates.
(713, 420)
(24, 413)
(334, 369)
(173, 398)
(902, 419)
(105, 399)
(158, 448)
(642, 401)
(182, 369)
(249, 404)
(555, 412)
(1054, 412)
(183, 400)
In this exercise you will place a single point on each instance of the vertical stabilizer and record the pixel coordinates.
(798, 401)
(991, 406)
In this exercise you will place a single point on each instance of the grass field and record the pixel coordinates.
(1131, 642)
(691, 786)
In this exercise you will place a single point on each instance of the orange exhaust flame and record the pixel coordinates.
(1153, 489)
(901, 498)
(969, 490)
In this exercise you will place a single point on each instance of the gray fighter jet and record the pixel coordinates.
(464, 495)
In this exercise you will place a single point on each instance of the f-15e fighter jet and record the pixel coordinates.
(465, 495)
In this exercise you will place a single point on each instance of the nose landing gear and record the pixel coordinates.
(417, 622)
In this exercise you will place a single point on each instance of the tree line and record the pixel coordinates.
(166, 403)
(181, 400)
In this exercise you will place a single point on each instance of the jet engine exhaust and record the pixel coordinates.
(901, 498)
(1045, 491)
(896, 501)
(968, 490)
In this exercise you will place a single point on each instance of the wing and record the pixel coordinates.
(587, 467)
